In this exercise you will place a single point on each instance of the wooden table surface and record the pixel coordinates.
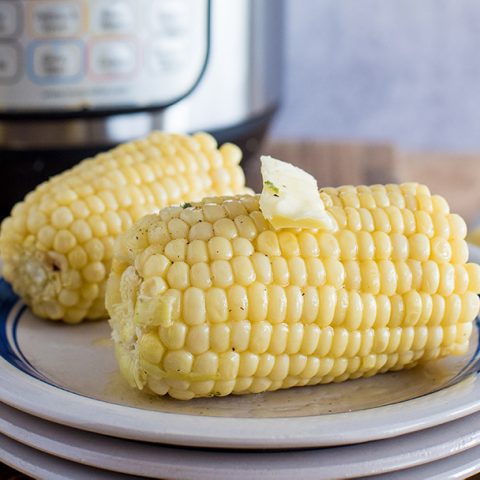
(455, 176)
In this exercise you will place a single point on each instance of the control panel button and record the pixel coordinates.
(9, 20)
(113, 17)
(60, 61)
(55, 19)
(9, 61)
(113, 58)
(167, 56)
(170, 18)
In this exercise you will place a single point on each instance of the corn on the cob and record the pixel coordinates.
(211, 300)
(57, 244)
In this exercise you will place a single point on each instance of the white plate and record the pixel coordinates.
(46, 467)
(156, 461)
(67, 374)
(461, 466)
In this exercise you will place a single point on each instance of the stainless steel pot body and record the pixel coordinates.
(79, 74)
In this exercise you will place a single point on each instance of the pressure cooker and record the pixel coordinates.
(79, 76)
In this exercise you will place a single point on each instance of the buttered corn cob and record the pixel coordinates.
(211, 300)
(57, 244)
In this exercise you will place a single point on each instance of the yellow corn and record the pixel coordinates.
(210, 300)
(57, 244)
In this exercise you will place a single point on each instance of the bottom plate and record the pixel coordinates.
(456, 467)
(46, 467)
(177, 463)
(41, 466)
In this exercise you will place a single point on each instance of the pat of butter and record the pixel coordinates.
(290, 197)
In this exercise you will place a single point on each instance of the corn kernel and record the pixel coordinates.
(178, 276)
(194, 306)
(260, 337)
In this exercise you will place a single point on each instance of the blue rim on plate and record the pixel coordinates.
(9, 348)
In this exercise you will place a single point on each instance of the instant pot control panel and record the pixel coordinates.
(76, 55)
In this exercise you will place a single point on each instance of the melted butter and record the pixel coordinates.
(103, 342)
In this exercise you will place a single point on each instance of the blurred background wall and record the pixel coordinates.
(405, 71)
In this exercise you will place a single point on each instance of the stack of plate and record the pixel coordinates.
(66, 414)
